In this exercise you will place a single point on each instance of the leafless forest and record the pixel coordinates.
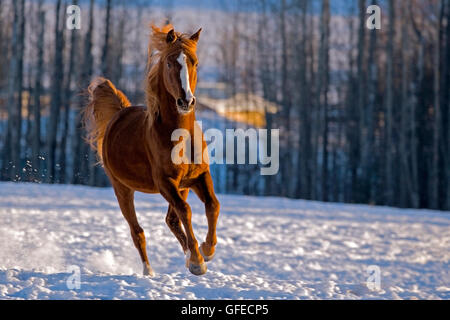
(363, 114)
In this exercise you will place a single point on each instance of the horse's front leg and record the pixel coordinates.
(169, 190)
(204, 189)
(174, 223)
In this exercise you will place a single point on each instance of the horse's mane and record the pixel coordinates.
(159, 50)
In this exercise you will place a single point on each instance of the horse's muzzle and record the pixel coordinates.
(185, 106)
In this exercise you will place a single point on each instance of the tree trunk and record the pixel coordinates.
(118, 49)
(303, 171)
(3, 51)
(105, 51)
(416, 89)
(317, 111)
(359, 180)
(81, 151)
(56, 100)
(12, 144)
(324, 100)
(67, 103)
(7, 147)
(405, 176)
(370, 115)
(434, 177)
(447, 104)
(389, 181)
(36, 139)
(286, 168)
(415, 199)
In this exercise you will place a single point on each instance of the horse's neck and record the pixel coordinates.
(170, 118)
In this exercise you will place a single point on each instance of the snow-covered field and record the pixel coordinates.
(267, 248)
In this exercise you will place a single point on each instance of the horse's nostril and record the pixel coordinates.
(192, 102)
(179, 102)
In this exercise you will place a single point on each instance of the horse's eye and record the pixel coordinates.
(168, 65)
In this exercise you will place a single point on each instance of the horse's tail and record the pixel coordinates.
(104, 102)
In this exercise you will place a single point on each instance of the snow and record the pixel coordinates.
(268, 248)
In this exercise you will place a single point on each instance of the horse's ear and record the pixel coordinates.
(171, 36)
(196, 35)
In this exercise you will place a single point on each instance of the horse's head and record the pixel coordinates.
(178, 65)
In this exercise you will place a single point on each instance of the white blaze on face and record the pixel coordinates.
(184, 75)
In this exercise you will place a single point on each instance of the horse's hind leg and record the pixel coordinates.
(174, 223)
(205, 191)
(125, 197)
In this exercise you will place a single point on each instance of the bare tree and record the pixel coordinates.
(389, 179)
(118, 49)
(105, 67)
(370, 116)
(416, 85)
(11, 149)
(324, 74)
(36, 128)
(3, 52)
(80, 150)
(303, 179)
(285, 99)
(434, 177)
(446, 101)
(67, 102)
(359, 183)
(56, 100)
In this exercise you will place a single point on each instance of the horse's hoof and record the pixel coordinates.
(148, 271)
(196, 269)
(205, 257)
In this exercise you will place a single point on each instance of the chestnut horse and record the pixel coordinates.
(134, 144)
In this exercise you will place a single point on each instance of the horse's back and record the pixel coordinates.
(124, 152)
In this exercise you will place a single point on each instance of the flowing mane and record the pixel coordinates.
(158, 50)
